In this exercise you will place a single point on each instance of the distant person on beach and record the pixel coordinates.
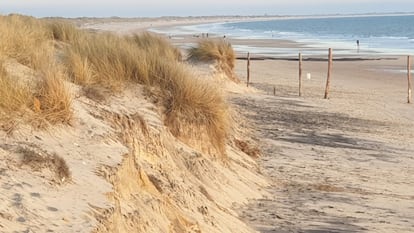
(357, 45)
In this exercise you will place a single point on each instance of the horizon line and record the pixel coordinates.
(397, 13)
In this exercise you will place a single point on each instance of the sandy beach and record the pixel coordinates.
(343, 164)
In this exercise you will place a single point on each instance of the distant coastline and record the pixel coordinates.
(235, 16)
(184, 20)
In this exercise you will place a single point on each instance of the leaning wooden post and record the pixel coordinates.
(328, 79)
(248, 69)
(409, 78)
(300, 74)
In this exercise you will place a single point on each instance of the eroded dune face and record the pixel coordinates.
(124, 172)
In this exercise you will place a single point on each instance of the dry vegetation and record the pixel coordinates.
(24, 39)
(14, 97)
(57, 50)
(190, 105)
(29, 42)
(63, 31)
(39, 160)
(105, 60)
(54, 100)
(156, 45)
(218, 51)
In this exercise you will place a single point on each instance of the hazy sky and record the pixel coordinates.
(130, 8)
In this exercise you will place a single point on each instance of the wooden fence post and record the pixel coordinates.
(248, 69)
(300, 74)
(409, 78)
(328, 79)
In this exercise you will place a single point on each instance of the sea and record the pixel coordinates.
(384, 35)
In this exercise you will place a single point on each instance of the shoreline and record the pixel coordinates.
(255, 42)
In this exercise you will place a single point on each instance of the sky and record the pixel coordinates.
(154, 8)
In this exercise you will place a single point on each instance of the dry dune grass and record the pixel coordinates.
(219, 51)
(153, 44)
(49, 103)
(111, 61)
(106, 60)
(62, 30)
(14, 97)
(28, 41)
(53, 97)
(192, 107)
(24, 39)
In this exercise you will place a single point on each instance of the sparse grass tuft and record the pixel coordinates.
(219, 51)
(53, 97)
(39, 160)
